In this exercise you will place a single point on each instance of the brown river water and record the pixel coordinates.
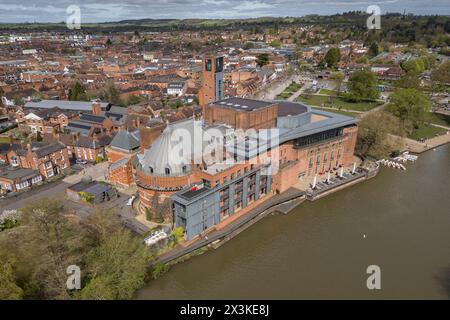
(319, 250)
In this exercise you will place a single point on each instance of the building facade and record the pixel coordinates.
(273, 145)
(212, 79)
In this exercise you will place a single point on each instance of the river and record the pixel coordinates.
(319, 249)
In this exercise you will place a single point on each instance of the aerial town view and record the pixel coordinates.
(224, 150)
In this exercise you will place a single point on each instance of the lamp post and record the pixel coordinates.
(314, 182)
(341, 174)
(354, 168)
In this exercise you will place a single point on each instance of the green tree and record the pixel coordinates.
(77, 92)
(411, 106)
(275, 43)
(375, 132)
(262, 59)
(362, 86)
(117, 267)
(332, 57)
(413, 66)
(373, 49)
(409, 81)
(442, 73)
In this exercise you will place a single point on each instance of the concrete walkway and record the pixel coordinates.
(299, 92)
(419, 147)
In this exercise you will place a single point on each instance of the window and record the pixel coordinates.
(150, 169)
(184, 169)
(208, 65)
(167, 171)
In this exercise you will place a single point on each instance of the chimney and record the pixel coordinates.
(96, 108)
(55, 134)
(75, 138)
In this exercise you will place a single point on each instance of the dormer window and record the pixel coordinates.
(167, 171)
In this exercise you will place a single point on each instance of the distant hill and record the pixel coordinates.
(395, 26)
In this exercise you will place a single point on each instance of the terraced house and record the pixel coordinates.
(49, 159)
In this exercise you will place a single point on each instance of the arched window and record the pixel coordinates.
(150, 169)
(167, 171)
(184, 169)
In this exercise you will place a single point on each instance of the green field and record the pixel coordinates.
(426, 132)
(4, 140)
(345, 113)
(328, 91)
(437, 118)
(337, 102)
(289, 91)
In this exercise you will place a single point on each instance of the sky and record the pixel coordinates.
(116, 10)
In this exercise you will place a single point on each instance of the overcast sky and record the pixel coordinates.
(114, 10)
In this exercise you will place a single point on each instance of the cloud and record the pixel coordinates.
(253, 5)
(114, 10)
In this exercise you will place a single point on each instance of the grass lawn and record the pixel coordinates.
(426, 132)
(4, 140)
(437, 118)
(345, 113)
(328, 91)
(337, 102)
(283, 95)
(293, 87)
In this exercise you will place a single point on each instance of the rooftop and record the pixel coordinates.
(242, 104)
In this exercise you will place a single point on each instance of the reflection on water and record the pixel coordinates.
(319, 251)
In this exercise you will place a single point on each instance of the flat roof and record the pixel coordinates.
(192, 193)
(286, 108)
(242, 104)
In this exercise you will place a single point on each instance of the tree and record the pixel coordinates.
(77, 92)
(374, 134)
(262, 59)
(373, 49)
(332, 57)
(112, 94)
(52, 244)
(9, 290)
(275, 43)
(442, 73)
(409, 81)
(413, 66)
(411, 106)
(362, 86)
(117, 267)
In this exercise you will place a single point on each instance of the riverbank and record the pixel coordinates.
(280, 203)
(420, 147)
(321, 249)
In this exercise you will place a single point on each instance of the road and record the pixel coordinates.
(54, 190)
